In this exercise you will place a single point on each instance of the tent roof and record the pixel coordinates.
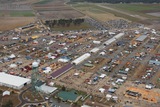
(47, 89)
(12, 80)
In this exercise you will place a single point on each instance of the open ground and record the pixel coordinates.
(16, 14)
(8, 23)
(55, 10)
(95, 12)
(132, 12)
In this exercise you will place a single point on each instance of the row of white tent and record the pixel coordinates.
(96, 49)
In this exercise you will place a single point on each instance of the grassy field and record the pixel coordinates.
(136, 7)
(27, 13)
(21, 14)
(95, 12)
(8, 23)
(72, 27)
(103, 14)
(43, 1)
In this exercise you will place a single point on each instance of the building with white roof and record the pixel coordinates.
(46, 89)
(81, 58)
(13, 81)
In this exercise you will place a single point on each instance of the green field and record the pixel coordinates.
(72, 27)
(21, 14)
(140, 10)
(24, 13)
(89, 7)
(99, 13)
(136, 7)
(43, 1)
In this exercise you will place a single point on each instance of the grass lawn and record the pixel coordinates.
(21, 14)
(136, 7)
(102, 14)
(95, 12)
(72, 27)
(43, 1)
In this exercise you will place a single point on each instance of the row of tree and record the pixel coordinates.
(118, 1)
(64, 22)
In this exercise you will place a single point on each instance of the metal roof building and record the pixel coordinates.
(118, 35)
(13, 81)
(46, 89)
(113, 39)
(108, 42)
(94, 50)
(81, 58)
(141, 38)
(61, 71)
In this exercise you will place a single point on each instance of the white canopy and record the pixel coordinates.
(102, 90)
(102, 75)
(13, 81)
(47, 70)
(76, 74)
(108, 96)
(12, 65)
(12, 56)
(6, 93)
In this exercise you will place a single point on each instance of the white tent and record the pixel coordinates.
(12, 65)
(118, 35)
(51, 42)
(12, 56)
(102, 90)
(52, 57)
(85, 106)
(63, 60)
(35, 42)
(115, 98)
(94, 50)
(51, 83)
(96, 42)
(81, 58)
(102, 75)
(47, 70)
(102, 53)
(108, 96)
(6, 93)
(13, 81)
(76, 74)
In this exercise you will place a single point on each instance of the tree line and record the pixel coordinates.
(64, 22)
(118, 1)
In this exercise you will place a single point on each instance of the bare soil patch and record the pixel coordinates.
(8, 23)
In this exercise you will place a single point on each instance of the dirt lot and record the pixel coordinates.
(8, 23)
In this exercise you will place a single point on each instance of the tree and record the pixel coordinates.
(63, 88)
(58, 100)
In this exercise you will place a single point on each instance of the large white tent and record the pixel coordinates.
(12, 81)
(81, 58)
